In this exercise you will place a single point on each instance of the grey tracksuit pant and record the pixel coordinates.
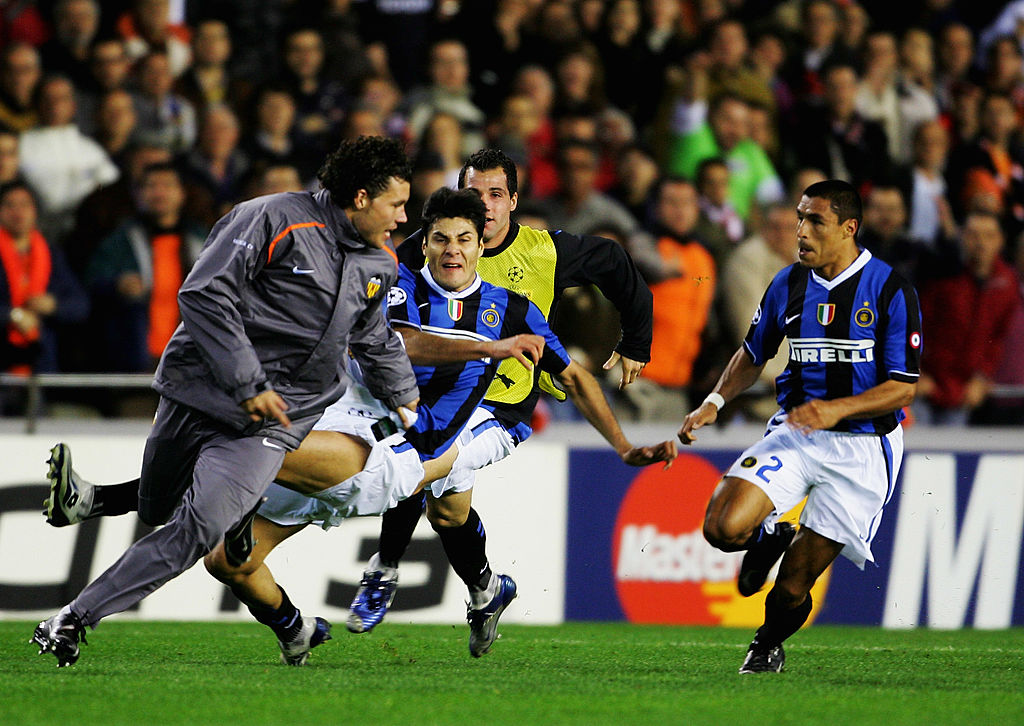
(209, 477)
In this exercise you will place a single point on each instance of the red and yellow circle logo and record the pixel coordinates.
(665, 571)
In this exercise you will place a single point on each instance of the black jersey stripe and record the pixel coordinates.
(797, 287)
(839, 376)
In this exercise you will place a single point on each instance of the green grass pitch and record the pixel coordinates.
(228, 673)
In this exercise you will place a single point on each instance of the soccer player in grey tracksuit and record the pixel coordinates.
(285, 285)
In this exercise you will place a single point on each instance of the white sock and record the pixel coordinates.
(480, 598)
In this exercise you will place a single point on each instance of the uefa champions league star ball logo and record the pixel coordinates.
(515, 274)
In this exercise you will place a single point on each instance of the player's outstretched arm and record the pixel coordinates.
(586, 394)
(427, 349)
(739, 375)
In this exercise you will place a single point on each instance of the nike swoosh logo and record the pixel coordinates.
(299, 271)
(271, 445)
(422, 305)
(791, 318)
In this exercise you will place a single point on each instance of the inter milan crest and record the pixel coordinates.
(454, 309)
(490, 317)
(864, 317)
(826, 313)
(373, 286)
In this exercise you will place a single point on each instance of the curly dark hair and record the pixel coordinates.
(487, 159)
(367, 163)
(447, 203)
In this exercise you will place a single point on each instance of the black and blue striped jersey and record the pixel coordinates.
(449, 393)
(846, 335)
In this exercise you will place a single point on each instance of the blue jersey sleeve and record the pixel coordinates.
(402, 299)
(767, 325)
(554, 360)
(903, 343)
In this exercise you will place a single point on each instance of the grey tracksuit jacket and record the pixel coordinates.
(283, 288)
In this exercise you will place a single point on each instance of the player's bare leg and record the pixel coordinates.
(253, 583)
(789, 603)
(734, 513)
(733, 522)
(465, 543)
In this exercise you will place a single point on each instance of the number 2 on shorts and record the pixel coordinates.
(764, 469)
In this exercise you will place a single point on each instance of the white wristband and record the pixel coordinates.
(716, 400)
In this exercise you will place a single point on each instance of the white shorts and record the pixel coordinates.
(392, 472)
(847, 479)
(482, 442)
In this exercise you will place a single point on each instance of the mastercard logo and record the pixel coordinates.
(665, 571)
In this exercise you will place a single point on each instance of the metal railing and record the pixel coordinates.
(34, 385)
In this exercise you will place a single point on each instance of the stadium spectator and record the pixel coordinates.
(320, 102)
(362, 121)
(164, 117)
(917, 60)
(887, 97)
(966, 318)
(494, 36)
(818, 48)
(38, 292)
(768, 59)
(836, 138)
(340, 26)
(992, 164)
(636, 174)
(382, 94)
(719, 227)
(115, 125)
(208, 80)
(1004, 70)
(579, 82)
(884, 234)
(931, 216)
(728, 71)
(277, 179)
(448, 92)
(75, 25)
(216, 162)
(273, 138)
(682, 305)
(20, 72)
(10, 156)
(61, 163)
(1007, 409)
(748, 271)
(579, 204)
(147, 28)
(135, 273)
(443, 136)
(723, 130)
(632, 78)
(109, 70)
(955, 54)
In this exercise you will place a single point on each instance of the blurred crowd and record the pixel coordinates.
(684, 129)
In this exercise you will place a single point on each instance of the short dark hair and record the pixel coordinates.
(487, 159)
(14, 185)
(707, 163)
(842, 199)
(447, 203)
(161, 166)
(369, 162)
